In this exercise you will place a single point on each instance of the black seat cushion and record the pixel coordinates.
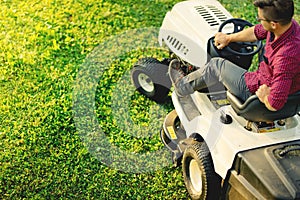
(254, 110)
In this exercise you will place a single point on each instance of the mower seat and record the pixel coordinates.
(255, 111)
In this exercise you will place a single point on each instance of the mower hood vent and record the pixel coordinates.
(211, 14)
(177, 44)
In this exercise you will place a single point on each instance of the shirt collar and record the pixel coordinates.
(284, 36)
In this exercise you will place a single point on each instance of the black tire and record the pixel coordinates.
(199, 175)
(150, 77)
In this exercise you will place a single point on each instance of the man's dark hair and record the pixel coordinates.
(281, 11)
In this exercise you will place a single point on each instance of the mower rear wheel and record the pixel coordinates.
(198, 172)
(150, 78)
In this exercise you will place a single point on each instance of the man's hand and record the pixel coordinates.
(262, 93)
(222, 40)
(246, 35)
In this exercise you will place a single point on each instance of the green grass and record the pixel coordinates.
(43, 46)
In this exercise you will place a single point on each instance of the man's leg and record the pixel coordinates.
(216, 71)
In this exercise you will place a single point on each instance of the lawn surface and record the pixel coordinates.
(44, 47)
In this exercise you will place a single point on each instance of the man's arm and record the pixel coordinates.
(246, 35)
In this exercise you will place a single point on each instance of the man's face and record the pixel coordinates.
(265, 22)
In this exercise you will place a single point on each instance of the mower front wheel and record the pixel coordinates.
(151, 79)
(199, 175)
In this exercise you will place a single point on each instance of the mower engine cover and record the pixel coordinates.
(187, 28)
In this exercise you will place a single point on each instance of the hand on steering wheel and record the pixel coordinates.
(221, 40)
(245, 48)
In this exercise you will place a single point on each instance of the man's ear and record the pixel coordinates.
(274, 25)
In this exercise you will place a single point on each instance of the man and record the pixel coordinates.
(277, 76)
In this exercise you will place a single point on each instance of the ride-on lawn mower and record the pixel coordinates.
(228, 149)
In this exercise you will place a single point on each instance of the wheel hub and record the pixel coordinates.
(146, 82)
(196, 176)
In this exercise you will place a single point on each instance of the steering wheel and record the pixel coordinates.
(241, 48)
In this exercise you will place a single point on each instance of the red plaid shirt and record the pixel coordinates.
(281, 68)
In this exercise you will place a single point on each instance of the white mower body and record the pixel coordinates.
(226, 140)
(187, 28)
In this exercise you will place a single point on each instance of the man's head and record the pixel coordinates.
(281, 11)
